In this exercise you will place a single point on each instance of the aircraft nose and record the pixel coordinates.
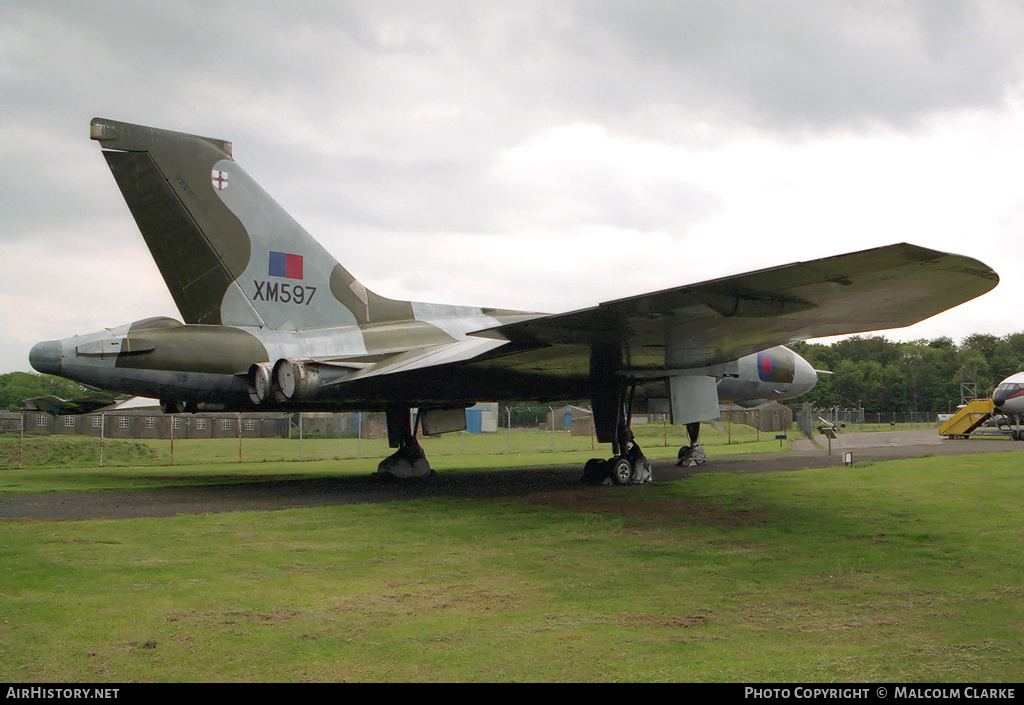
(45, 357)
(805, 378)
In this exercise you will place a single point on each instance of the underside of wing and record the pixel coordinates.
(418, 358)
(724, 319)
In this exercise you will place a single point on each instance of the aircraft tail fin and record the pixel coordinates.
(229, 254)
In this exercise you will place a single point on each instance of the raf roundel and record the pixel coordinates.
(766, 366)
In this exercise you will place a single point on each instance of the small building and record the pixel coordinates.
(371, 426)
(581, 421)
(574, 419)
(152, 423)
(326, 424)
(141, 423)
(10, 421)
(482, 418)
(769, 417)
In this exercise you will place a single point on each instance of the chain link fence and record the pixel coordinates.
(855, 419)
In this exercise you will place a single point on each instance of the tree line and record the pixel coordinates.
(16, 387)
(923, 375)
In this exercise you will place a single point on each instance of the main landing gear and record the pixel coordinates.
(409, 460)
(628, 465)
(628, 468)
(1017, 433)
(692, 453)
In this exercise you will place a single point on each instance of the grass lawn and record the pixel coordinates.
(138, 464)
(900, 571)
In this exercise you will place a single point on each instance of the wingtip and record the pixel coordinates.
(129, 136)
(101, 129)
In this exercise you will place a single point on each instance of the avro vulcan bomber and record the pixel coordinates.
(271, 321)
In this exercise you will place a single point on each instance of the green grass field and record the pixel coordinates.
(900, 571)
(456, 450)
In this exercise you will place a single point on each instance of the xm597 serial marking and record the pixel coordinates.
(284, 293)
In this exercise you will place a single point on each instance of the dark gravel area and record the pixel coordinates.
(288, 494)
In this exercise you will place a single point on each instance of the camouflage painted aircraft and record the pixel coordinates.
(273, 322)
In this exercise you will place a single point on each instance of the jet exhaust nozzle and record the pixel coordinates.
(299, 380)
(260, 382)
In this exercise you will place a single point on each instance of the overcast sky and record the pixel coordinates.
(532, 155)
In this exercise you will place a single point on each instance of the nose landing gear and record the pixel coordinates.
(692, 453)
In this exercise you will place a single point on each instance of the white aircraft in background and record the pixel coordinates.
(1009, 399)
(1009, 395)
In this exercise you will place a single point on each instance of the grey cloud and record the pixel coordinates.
(391, 116)
(818, 65)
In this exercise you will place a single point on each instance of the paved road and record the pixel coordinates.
(288, 494)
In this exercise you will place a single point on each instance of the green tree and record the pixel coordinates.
(16, 387)
(922, 375)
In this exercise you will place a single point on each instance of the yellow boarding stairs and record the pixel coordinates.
(967, 418)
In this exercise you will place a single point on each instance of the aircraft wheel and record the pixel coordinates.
(621, 471)
(594, 470)
(694, 454)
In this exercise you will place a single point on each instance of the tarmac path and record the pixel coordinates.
(289, 494)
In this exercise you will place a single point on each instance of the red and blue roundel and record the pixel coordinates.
(776, 365)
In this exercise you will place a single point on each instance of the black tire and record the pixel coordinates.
(594, 470)
(621, 471)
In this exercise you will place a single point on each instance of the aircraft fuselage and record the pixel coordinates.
(203, 366)
(1009, 395)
